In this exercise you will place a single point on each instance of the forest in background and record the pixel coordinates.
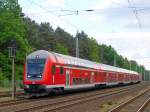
(31, 36)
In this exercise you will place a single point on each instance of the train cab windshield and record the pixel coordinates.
(35, 68)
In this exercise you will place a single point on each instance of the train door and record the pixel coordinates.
(53, 74)
(67, 78)
(92, 77)
(107, 77)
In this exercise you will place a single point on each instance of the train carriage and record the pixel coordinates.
(45, 72)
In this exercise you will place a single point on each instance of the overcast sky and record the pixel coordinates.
(112, 22)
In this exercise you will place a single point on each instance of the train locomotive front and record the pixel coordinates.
(38, 77)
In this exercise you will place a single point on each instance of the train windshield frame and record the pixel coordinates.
(35, 68)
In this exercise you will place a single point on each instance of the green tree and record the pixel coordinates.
(94, 50)
(65, 39)
(31, 32)
(134, 65)
(126, 64)
(84, 47)
(46, 39)
(60, 49)
(11, 26)
(120, 61)
(108, 54)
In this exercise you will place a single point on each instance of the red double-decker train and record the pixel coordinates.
(45, 72)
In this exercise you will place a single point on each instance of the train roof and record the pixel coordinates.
(117, 69)
(78, 61)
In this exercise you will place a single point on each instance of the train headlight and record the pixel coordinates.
(28, 76)
(40, 76)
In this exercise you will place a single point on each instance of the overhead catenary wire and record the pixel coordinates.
(144, 9)
(135, 11)
(76, 12)
(52, 13)
(77, 48)
(65, 21)
(137, 15)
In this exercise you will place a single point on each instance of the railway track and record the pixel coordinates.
(20, 101)
(142, 108)
(38, 104)
(135, 104)
(13, 102)
(54, 106)
(26, 100)
(8, 93)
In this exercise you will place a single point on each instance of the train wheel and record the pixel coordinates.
(61, 90)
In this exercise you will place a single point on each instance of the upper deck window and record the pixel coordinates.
(61, 70)
(53, 69)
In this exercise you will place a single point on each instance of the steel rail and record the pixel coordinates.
(144, 105)
(25, 100)
(120, 106)
(12, 102)
(72, 101)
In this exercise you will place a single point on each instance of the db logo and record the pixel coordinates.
(33, 82)
(37, 57)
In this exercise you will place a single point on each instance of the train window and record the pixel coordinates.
(61, 70)
(73, 81)
(77, 80)
(53, 69)
(87, 80)
(80, 80)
